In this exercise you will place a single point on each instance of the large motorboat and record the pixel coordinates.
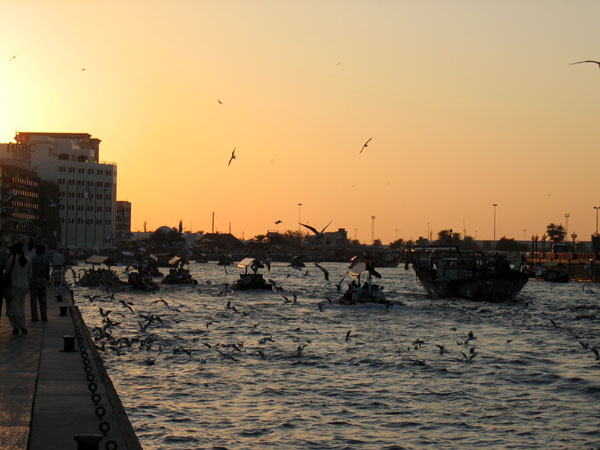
(452, 272)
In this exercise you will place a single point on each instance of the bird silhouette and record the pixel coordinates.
(587, 61)
(365, 145)
(324, 270)
(318, 234)
(14, 57)
(220, 102)
(232, 157)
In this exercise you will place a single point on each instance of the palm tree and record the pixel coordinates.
(556, 233)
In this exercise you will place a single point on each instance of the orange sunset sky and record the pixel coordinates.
(469, 103)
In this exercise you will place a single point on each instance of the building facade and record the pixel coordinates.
(337, 238)
(123, 223)
(87, 188)
(19, 207)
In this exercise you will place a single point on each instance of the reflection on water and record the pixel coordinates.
(263, 372)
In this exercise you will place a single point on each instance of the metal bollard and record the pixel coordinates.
(69, 343)
(88, 441)
(63, 310)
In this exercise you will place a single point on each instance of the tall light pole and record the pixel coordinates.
(299, 208)
(372, 230)
(495, 205)
(396, 234)
(524, 234)
(596, 208)
(355, 233)
(567, 225)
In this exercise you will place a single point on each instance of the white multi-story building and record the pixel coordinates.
(87, 187)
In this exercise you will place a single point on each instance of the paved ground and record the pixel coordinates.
(45, 397)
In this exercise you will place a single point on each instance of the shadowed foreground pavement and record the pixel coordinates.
(46, 393)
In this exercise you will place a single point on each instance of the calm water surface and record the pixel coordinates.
(265, 373)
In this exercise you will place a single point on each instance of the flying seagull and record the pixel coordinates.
(220, 102)
(232, 157)
(587, 61)
(318, 234)
(277, 222)
(324, 270)
(14, 57)
(365, 145)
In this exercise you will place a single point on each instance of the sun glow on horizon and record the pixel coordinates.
(468, 105)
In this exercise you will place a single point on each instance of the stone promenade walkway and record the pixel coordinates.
(46, 392)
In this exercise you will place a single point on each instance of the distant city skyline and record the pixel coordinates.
(463, 105)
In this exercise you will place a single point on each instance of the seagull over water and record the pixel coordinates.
(232, 157)
(318, 234)
(587, 61)
(324, 270)
(365, 145)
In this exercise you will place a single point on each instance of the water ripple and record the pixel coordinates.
(275, 375)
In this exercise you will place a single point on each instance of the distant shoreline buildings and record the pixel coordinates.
(54, 189)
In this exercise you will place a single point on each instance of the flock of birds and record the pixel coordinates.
(232, 157)
(138, 324)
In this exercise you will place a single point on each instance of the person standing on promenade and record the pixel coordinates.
(18, 268)
(58, 265)
(30, 252)
(40, 265)
(3, 257)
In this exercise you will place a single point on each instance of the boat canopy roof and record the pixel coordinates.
(174, 260)
(245, 263)
(357, 269)
(96, 259)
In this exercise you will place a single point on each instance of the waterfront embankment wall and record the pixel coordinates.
(54, 389)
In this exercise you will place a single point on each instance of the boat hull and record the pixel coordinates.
(494, 287)
(251, 281)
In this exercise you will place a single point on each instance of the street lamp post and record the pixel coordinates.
(567, 224)
(495, 205)
(372, 230)
(525, 234)
(574, 236)
(596, 208)
(299, 207)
